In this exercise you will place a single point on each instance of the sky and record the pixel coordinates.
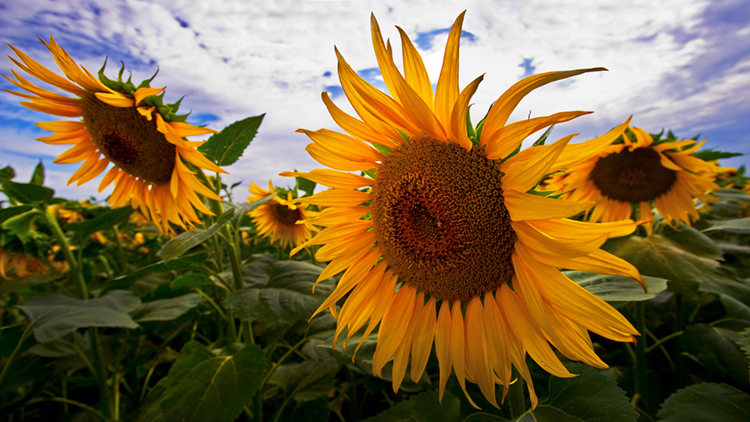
(682, 65)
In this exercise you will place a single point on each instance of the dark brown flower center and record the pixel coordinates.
(284, 215)
(632, 176)
(440, 219)
(129, 140)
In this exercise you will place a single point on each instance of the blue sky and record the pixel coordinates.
(675, 64)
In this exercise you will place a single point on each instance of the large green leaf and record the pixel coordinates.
(732, 195)
(56, 315)
(734, 308)
(7, 173)
(174, 248)
(204, 387)
(62, 346)
(588, 397)
(706, 402)
(286, 298)
(618, 289)
(305, 381)
(107, 220)
(423, 407)
(166, 309)
(27, 193)
(16, 284)
(716, 348)
(685, 258)
(737, 225)
(226, 147)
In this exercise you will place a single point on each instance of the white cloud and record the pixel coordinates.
(235, 59)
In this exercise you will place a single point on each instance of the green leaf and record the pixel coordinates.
(22, 225)
(226, 147)
(307, 186)
(706, 402)
(686, 258)
(423, 407)
(105, 221)
(484, 417)
(7, 173)
(286, 298)
(542, 139)
(382, 149)
(710, 154)
(193, 262)
(588, 397)
(204, 387)
(734, 308)
(618, 289)
(56, 315)
(6, 213)
(744, 343)
(732, 195)
(16, 284)
(166, 309)
(186, 241)
(24, 370)
(27, 193)
(737, 225)
(722, 285)
(305, 381)
(716, 348)
(61, 347)
(37, 178)
(188, 281)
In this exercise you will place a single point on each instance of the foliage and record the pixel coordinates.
(214, 324)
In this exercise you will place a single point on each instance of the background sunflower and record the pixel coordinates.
(131, 127)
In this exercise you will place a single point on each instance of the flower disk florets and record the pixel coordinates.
(440, 220)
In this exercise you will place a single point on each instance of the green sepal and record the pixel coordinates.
(470, 132)
(480, 125)
(710, 154)
(405, 136)
(370, 173)
(382, 149)
(146, 83)
(542, 139)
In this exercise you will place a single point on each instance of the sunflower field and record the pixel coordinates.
(433, 269)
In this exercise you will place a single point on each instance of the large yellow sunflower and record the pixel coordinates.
(131, 128)
(444, 245)
(280, 219)
(635, 173)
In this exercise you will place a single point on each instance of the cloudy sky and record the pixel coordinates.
(675, 64)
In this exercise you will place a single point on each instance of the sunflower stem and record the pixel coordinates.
(516, 398)
(101, 373)
(62, 242)
(641, 357)
(26, 333)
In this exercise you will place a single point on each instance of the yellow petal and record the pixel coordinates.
(525, 169)
(332, 178)
(446, 91)
(575, 153)
(525, 206)
(116, 100)
(142, 93)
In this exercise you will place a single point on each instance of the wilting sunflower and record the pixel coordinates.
(638, 173)
(131, 128)
(279, 217)
(444, 244)
(17, 265)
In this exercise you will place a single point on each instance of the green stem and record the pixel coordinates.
(663, 340)
(280, 361)
(641, 362)
(62, 242)
(101, 372)
(26, 333)
(516, 396)
(81, 405)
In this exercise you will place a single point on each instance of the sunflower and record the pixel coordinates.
(17, 265)
(280, 219)
(440, 241)
(637, 173)
(131, 128)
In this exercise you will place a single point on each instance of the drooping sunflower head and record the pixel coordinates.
(127, 126)
(281, 219)
(14, 264)
(441, 238)
(639, 171)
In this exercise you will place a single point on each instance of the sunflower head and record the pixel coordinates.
(281, 218)
(14, 264)
(639, 171)
(127, 126)
(441, 238)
